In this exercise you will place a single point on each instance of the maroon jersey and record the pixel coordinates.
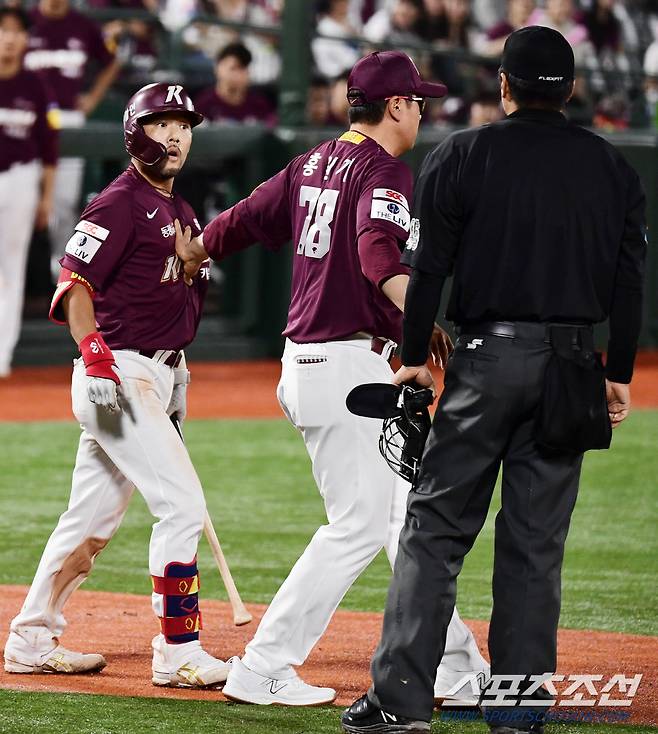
(28, 121)
(60, 50)
(124, 246)
(255, 108)
(345, 205)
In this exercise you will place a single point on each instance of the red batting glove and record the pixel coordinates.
(98, 358)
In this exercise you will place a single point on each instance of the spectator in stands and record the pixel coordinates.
(651, 84)
(210, 38)
(485, 109)
(317, 103)
(338, 104)
(434, 20)
(399, 24)
(63, 45)
(231, 99)
(459, 33)
(333, 57)
(518, 13)
(603, 26)
(561, 16)
(28, 153)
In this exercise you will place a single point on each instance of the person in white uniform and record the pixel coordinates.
(28, 154)
(131, 377)
(345, 206)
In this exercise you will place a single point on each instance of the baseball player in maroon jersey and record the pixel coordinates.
(28, 153)
(345, 206)
(67, 49)
(131, 313)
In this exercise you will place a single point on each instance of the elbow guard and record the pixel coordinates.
(67, 279)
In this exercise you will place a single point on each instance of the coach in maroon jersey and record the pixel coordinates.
(122, 293)
(345, 206)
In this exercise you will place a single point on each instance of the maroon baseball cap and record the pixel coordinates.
(387, 74)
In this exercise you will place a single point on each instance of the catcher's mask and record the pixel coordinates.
(406, 422)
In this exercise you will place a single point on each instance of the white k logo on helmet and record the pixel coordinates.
(173, 93)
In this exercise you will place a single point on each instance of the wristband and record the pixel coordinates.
(98, 358)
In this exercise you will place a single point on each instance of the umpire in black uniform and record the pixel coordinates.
(542, 226)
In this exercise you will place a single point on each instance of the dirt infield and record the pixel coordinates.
(218, 390)
(121, 627)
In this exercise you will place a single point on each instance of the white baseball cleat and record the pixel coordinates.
(24, 653)
(186, 666)
(245, 686)
(459, 688)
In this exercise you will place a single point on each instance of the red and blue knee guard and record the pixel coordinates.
(180, 591)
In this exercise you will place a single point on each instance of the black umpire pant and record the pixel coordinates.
(485, 417)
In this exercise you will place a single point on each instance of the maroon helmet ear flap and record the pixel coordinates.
(140, 146)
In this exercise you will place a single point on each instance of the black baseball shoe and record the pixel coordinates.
(363, 715)
(534, 729)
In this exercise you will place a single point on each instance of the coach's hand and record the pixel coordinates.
(190, 251)
(441, 346)
(619, 401)
(420, 375)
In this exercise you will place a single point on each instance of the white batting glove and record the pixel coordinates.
(104, 392)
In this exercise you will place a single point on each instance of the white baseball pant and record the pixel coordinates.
(138, 447)
(19, 196)
(364, 500)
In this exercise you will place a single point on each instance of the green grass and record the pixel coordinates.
(265, 506)
(57, 713)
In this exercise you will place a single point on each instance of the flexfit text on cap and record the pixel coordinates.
(387, 74)
(539, 56)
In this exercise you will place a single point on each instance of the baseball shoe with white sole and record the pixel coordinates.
(37, 651)
(246, 686)
(459, 688)
(186, 666)
(364, 716)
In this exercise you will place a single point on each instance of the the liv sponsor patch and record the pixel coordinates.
(83, 246)
(391, 212)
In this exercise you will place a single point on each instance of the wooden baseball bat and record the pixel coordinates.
(241, 614)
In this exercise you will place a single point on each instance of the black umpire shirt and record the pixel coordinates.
(538, 220)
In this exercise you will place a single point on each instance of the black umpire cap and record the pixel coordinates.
(539, 56)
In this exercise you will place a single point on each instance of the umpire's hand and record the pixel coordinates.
(619, 401)
(420, 375)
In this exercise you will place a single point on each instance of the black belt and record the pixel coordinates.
(170, 357)
(539, 331)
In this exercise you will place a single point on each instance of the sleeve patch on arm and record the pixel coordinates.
(83, 246)
(391, 195)
(414, 234)
(95, 230)
(391, 212)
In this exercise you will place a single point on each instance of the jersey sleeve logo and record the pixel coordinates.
(391, 212)
(83, 246)
(95, 230)
(391, 195)
(414, 234)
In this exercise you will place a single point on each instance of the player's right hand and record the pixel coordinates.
(189, 250)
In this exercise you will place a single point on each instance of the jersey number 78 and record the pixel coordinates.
(315, 239)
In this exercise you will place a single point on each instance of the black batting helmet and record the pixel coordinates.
(154, 99)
